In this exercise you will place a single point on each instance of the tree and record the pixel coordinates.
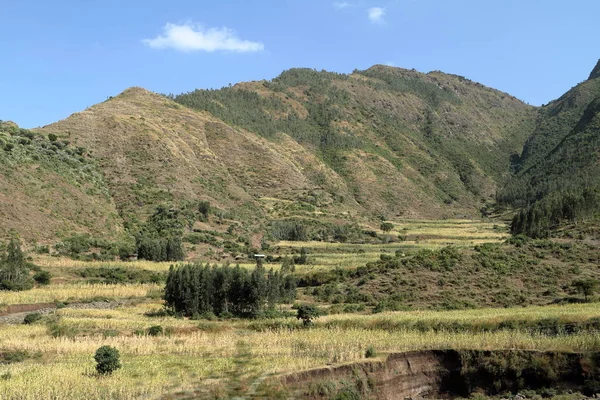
(107, 360)
(308, 312)
(204, 209)
(200, 290)
(160, 238)
(386, 226)
(586, 287)
(14, 271)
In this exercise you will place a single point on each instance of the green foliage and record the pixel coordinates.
(429, 91)
(113, 275)
(302, 259)
(307, 313)
(370, 352)
(288, 230)
(155, 330)
(542, 217)
(557, 181)
(85, 247)
(160, 238)
(14, 270)
(42, 277)
(587, 287)
(204, 209)
(32, 318)
(196, 290)
(16, 356)
(107, 360)
(386, 226)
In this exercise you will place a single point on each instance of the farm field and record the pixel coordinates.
(221, 358)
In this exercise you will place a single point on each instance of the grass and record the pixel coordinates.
(79, 292)
(222, 357)
(194, 355)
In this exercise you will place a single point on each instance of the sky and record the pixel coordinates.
(58, 57)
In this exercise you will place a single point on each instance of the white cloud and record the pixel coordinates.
(188, 37)
(390, 64)
(340, 5)
(376, 15)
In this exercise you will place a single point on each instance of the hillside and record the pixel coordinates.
(403, 142)
(312, 146)
(557, 179)
(50, 189)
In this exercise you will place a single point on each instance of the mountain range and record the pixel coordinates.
(310, 146)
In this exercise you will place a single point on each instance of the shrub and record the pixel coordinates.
(32, 318)
(386, 226)
(370, 352)
(307, 312)
(42, 277)
(155, 330)
(586, 287)
(107, 360)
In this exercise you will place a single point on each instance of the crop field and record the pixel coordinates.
(212, 358)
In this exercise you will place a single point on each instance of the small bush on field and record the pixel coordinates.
(32, 318)
(107, 360)
(370, 352)
(155, 330)
(42, 277)
(307, 313)
(16, 356)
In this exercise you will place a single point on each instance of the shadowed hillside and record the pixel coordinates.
(558, 177)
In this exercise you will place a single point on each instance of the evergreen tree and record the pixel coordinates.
(14, 271)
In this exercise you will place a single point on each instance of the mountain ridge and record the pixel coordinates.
(319, 147)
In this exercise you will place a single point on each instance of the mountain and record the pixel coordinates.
(308, 145)
(50, 189)
(558, 174)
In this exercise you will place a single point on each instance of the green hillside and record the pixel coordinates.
(50, 189)
(396, 137)
(558, 178)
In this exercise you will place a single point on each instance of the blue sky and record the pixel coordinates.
(61, 56)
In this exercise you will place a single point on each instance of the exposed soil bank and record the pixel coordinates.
(448, 374)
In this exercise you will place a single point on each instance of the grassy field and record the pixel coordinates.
(223, 357)
(201, 354)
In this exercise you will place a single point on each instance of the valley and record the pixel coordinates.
(305, 237)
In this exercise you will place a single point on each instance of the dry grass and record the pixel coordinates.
(76, 292)
(190, 357)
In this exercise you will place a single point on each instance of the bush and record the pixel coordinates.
(32, 318)
(107, 360)
(155, 330)
(386, 226)
(370, 352)
(42, 277)
(307, 312)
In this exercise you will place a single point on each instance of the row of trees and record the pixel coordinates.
(196, 289)
(541, 217)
